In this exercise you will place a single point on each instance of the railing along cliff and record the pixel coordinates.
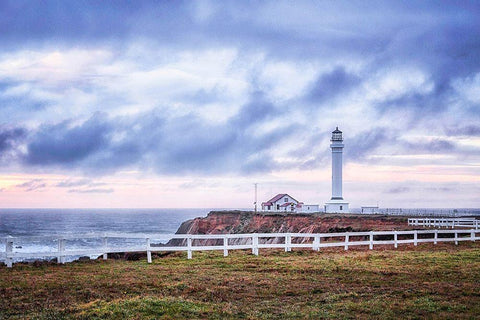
(226, 242)
(445, 222)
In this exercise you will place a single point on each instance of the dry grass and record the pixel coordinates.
(410, 282)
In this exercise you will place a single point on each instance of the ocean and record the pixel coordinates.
(25, 223)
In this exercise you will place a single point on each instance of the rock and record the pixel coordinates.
(83, 258)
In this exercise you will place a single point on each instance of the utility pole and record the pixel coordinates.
(255, 203)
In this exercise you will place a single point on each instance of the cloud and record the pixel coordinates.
(470, 130)
(65, 143)
(332, 84)
(398, 190)
(163, 143)
(432, 146)
(362, 144)
(219, 89)
(32, 185)
(78, 183)
(92, 190)
(10, 138)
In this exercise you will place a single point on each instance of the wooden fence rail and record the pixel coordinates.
(445, 222)
(226, 242)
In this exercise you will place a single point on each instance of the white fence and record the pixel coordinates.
(444, 222)
(225, 242)
(430, 212)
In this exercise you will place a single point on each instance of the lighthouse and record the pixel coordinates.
(336, 204)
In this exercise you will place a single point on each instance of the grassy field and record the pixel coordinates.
(427, 281)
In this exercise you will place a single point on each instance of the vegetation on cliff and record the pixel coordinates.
(410, 282)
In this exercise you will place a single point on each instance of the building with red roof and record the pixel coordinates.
(283, 202)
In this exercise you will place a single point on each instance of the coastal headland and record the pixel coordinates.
(221, 222)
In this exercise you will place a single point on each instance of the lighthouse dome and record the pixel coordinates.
(337, 135)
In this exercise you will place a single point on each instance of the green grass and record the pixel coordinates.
(410, 282)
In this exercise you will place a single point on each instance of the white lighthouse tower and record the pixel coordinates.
(336, 204)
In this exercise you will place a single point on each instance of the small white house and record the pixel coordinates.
(370, 210)
(285, 203)
(307, 208)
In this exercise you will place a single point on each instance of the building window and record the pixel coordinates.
(278, 207)
(285, 200)
(341, 207)
(268, 208)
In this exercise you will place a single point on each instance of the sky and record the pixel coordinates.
(174, 104)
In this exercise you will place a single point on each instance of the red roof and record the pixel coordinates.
(277, 197)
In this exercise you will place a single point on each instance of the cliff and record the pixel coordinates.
(234, 222)
(220, 222)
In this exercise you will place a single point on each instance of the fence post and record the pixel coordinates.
(415, 238)
(9, 251)
(61, 251)
(105, 253)
(316, 243)
(149, 252)
(189, 247)
(347, 238)
(225, 246)
(435, 238)
(472, 235)
(370, 246)
(288, 242)
(395, 239)
(255, 244)
(456, 237)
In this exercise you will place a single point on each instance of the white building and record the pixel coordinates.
(285, 203)
(370, 210)
(336, 204)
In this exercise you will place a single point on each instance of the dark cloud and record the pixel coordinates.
(439, 39)
(257, 109)
(10, 138)
(167, 145)
(365, 142)
(432, 146)
(32, 185)
(470, 130)
(332, 84)
(446, 50)
(301, 30)
(64, 144)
